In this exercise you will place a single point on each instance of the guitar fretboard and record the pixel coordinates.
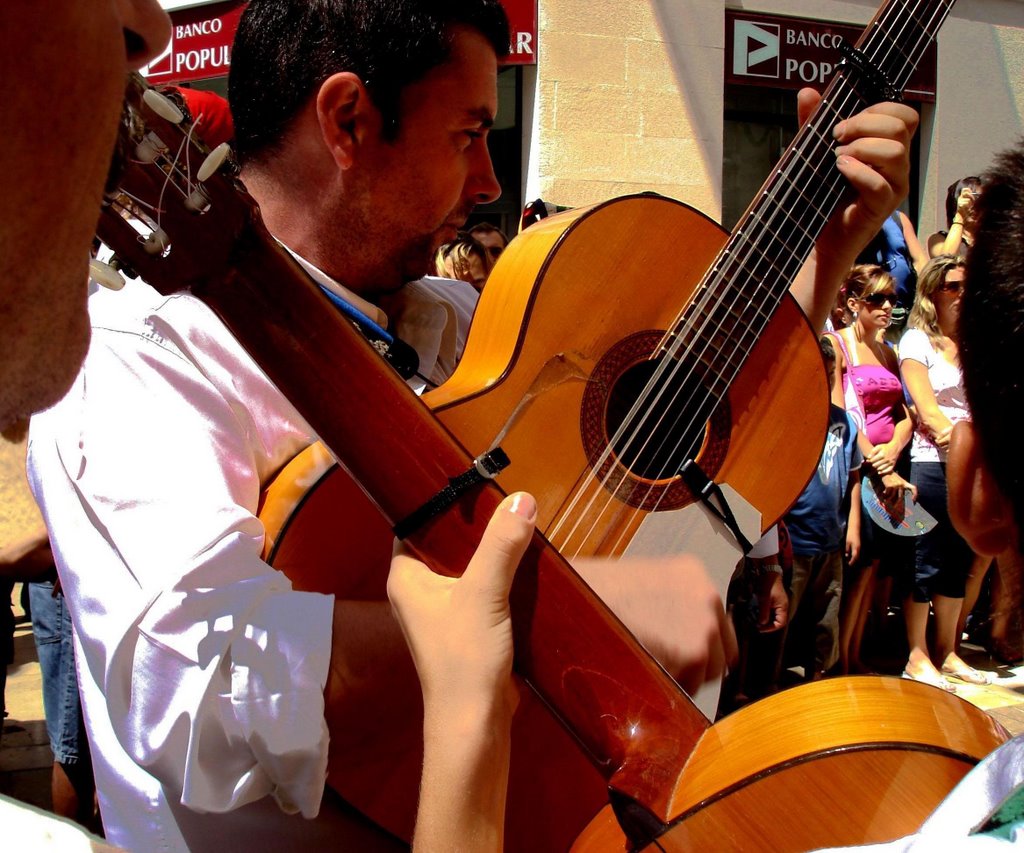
(774, 238)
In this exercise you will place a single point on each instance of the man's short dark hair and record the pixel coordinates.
(284, 50)
(828, 351)
(992, 325)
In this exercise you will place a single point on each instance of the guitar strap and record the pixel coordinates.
(485, 467)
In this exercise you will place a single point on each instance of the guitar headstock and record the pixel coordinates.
(174, 211)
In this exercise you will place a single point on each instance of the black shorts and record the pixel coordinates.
(942, 559)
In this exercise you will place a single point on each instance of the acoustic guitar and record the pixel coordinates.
(669, 778)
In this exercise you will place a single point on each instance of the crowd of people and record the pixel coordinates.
(206, 680)
(871, 537)
(471, 256)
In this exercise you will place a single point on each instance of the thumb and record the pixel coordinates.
(502, 546)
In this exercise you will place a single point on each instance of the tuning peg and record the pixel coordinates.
(151, 147)
(163, 106)
(214, 160)
(157, 243)
(106, 275)
(197, 201)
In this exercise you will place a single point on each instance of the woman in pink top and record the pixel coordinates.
(868, 386)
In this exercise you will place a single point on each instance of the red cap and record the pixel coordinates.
(210, 113)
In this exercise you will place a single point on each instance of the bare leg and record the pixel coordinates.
(73, 792)
(848, 618)
(947, 614)
(975, 577)
(878, 606)
(1006, 597)
(65, 797)
(919, 664)
(857, 642)
(998, 612)
(856, 603)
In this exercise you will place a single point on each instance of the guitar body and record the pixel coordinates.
(602, 290)
(569, 299)
(845, 761)
(574, 305)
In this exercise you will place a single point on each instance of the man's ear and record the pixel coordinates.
(343, 110)
(977, 508)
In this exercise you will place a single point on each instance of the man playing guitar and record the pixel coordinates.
(361, 128)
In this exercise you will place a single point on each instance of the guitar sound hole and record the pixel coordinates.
(668, 427)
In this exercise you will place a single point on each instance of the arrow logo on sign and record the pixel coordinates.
(161, 65)
(754, 45)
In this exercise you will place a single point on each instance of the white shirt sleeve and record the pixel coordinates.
(915, 345)
(29, 828)
(149, 473)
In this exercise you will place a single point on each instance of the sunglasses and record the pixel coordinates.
(877, 300)
(950, 287)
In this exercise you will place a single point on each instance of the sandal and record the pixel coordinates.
(968, 675)
(932, 680)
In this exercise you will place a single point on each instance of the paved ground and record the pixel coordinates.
(25, 757)
(1003, 699)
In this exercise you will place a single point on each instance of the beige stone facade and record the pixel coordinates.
(627, 96)
(628, 101)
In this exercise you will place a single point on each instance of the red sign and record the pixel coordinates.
(790, 53)
(522, 20)
(201, 40)
(200, 44)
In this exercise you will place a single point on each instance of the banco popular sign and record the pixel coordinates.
(200, 44)
(201, 38)
(790, 53)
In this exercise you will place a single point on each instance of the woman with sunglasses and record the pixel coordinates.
(930, 365)
(868, 386)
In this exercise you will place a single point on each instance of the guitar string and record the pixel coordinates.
(761, 316)
(699, 304)
(694, 324)
(726, 262)
(167, 175)
(170, 167)
(764, 318)
(138, 202)
(894, 39)
(188, 143)
(770, 263)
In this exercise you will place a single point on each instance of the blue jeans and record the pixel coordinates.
(51, 627)
(6, 641)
